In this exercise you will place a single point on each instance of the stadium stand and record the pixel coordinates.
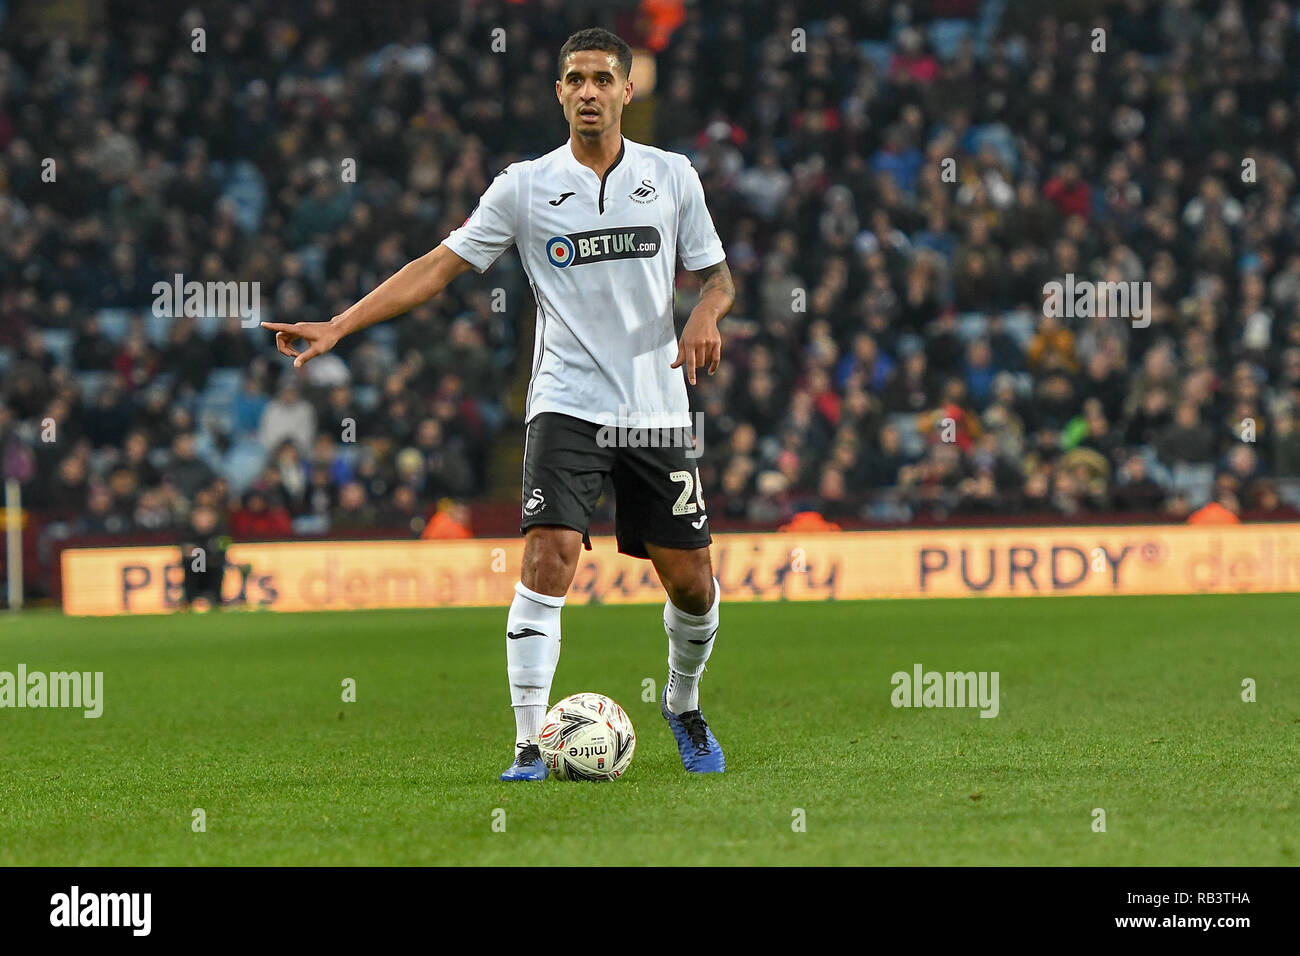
(920, 379)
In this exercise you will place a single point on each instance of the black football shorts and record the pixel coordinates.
(657, 494)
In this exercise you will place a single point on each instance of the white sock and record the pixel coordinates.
(531, 658)
(690, 642)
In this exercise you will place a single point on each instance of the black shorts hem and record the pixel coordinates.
(551, 522)
(644, 554)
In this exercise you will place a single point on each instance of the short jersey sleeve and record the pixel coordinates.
(490, 228)
(697, 241)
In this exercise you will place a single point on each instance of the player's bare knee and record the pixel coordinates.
(548, 567)
(692, 595)
(547, 573)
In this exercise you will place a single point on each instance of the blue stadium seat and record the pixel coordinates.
(311, 524)
(1014, 46)
(209, 398)
(1196, 481)
(991, 13)
(384, 334)
(215, 409)
(313, 261)
(91, 384)
(909, 342)
(494, 415)
(246, 188)
(225, 383)
(157, 328)
(887, 509)
(219, 419)
(244, 461)
(367, 397)
(879, 52)
(349, 452)
(59, 342)
(910, 437)
(1157, 469)
(114, 323)
(946, 36)
(208, 325)
(971, 325)
(205, 446)
(1000, 137)
(1020, 326)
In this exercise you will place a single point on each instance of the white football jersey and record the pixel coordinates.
(601, 258)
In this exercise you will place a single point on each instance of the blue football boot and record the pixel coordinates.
(700, 750)
(528, 764)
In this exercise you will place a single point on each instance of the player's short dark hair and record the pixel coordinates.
(595, 38)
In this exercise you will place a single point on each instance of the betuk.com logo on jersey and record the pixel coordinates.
(603, 245)
(636, 430)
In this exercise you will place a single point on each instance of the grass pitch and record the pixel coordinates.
(1131, 705)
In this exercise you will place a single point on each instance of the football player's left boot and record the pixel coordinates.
(528, 764)
(699, 749)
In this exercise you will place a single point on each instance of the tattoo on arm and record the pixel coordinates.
(716, 277)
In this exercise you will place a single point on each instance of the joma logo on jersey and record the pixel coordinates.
(602, 245)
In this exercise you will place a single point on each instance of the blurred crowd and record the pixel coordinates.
(894, 182)
(915, 183)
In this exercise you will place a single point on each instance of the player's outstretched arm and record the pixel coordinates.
(417, 281)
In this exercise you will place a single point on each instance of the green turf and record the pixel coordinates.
(1132, 705)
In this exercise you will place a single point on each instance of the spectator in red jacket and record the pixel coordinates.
(258, 518)
(1068, 191)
